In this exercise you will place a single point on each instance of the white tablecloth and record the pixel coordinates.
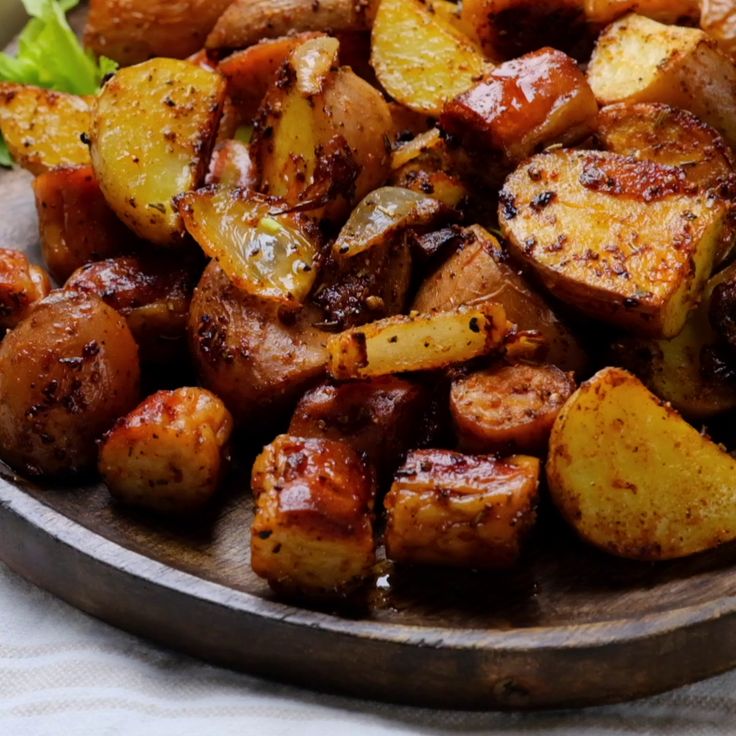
(63, 673)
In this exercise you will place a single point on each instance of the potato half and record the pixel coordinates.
(632, 477)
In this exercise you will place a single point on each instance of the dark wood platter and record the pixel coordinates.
(569, 627)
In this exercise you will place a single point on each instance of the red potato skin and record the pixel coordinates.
(22, 284)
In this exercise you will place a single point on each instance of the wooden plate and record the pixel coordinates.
(570, 627)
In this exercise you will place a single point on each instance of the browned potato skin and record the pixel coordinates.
(378, 417)
(67, 372)
(255, 362)
(312, 532)
(131, 31)
(247, 22)
(153, 294)
(22, 284)
(508, 408)
(445, 508)
(169, 453)
(475, 271)
(75, 222)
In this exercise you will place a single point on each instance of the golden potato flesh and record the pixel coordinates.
(43, 128)
(626, 241)
(639, 60)
(256, 359)
(420, 59)
(131, 31)
(168, 454)
(22, 284)
(718, 20)
(665, 11)
(477, 271)
(473, 511)
(67, 372)
(632, 477)
(508, 408)
(152, 133)
(76, 225)
(312, 533)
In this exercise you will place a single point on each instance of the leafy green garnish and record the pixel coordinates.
(50, 55)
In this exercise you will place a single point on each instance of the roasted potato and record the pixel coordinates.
(257, 359)
(508, 408)
(76, 225)
(246, 22)
(151, 293)
(476, 271)
(231, 166)
(312, 533)
(524, 105)
(625, 241)
(417, 342)
(665, 11)
(718, 20)
(168, 454)
(43, 128)
(675, 137)
(22, 284)
(632, 477)
(639, 60)
(437, 64)
(131, 31)
(320, 138)
(152, 133)
(67, 372)
(378, 417)
(445, 508)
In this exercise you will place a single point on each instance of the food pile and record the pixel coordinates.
(435, 256)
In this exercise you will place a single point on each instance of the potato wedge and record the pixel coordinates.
(664, 11)
(445, 508)
(22, 285)
(438, 64)
(417, 342)
(152, 134)
(131, 31)
(232, 166)
(625, 241)
(718, 20)
(42, 128)
(639, 60)
(247, 22)
(632, 477)
(477, 271)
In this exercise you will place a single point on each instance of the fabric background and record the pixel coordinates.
(63, 673)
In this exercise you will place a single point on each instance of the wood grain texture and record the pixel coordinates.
(569, 627)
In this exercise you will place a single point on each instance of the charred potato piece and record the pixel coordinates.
(633, 478)
(509, 408)
(639, 60)
(76, 224)
(524, 105)
(151, 293)
(625, 241)
(718, 20)
(246, 22)
(445, 508)
(674, 137)
(67, 372)
(131, 31)
(665, 11)
(43, 128)
(721, 305)
(320, 138)
(417, 342)
(256, 359)
(312, 533)
(476, 271)
(22, 284)
(152, 134)
(168, 454)
(378, 417)
(438, 63)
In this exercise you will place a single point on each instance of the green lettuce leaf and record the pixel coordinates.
(50, 55)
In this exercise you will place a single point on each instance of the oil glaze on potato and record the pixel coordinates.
(22, 285)
(152, 133)
(626, 241)
(632, 477)
(168, 454)
(67, 372)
